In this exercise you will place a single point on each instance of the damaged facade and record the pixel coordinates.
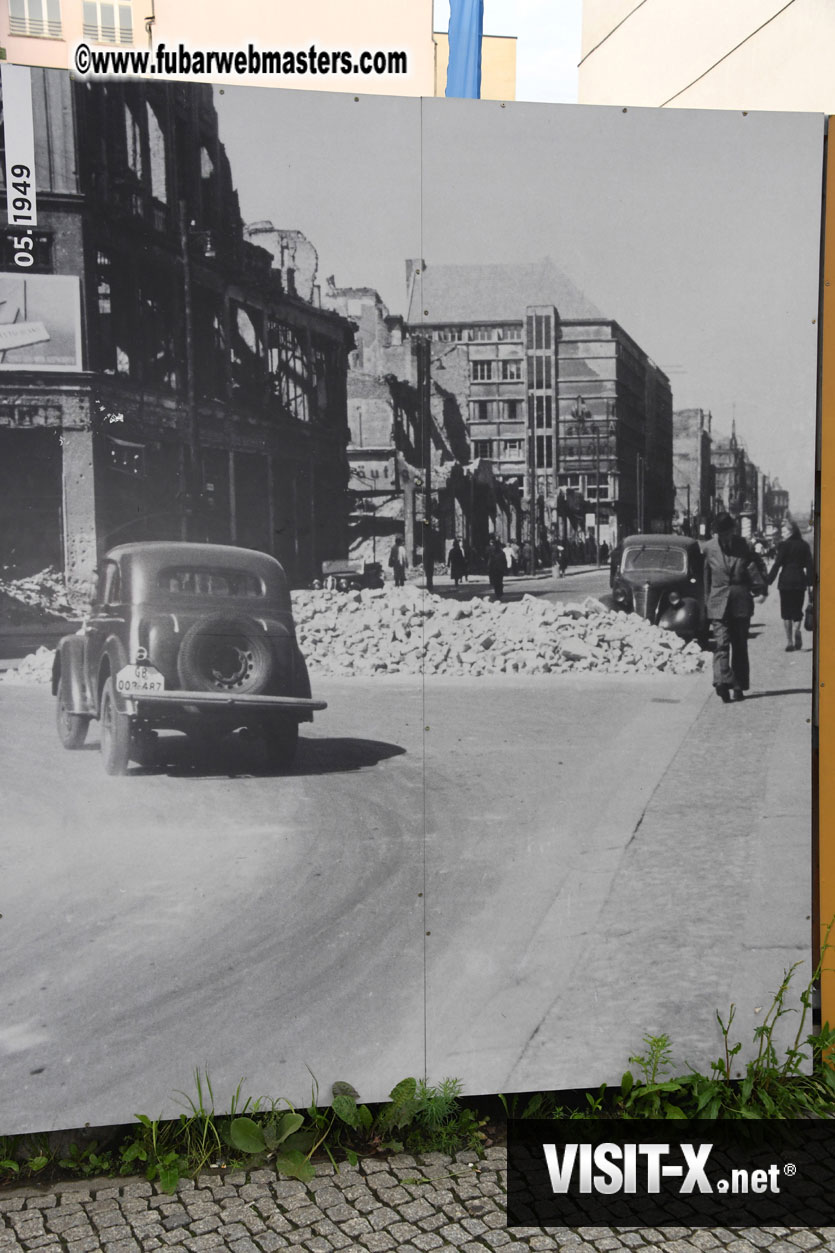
(209, 401)
(385, 453)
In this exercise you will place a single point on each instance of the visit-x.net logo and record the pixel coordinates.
(648, 1173)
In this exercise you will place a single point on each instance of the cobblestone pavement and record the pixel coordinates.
(406, 1204)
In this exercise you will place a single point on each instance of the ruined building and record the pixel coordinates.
(160, 377)
(693, 471)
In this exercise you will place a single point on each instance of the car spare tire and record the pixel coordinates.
(226, 653)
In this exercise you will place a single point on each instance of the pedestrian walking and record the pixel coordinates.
(497, 569)
(795, 574)
(398, 561)
(731, 578)
(562, 558)
(456, 563)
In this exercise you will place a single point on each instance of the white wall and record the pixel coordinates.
(718, 54)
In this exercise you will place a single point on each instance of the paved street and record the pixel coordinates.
(404, 1204)
(604, 856)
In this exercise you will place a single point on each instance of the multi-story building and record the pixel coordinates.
(693, 471)
(570, 415)
(204, 398)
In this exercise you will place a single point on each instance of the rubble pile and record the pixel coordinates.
(407, 631)
(41, 597)
(34, 668)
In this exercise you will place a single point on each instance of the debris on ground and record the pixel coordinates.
(34, 668)
(408, 631)
(38, 599)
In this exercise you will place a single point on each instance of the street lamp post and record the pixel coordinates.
(424, 397)
(597, 496)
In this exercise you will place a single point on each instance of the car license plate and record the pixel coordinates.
(139, 681)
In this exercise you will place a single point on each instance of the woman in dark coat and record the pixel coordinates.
(457, 563)
(796, 571)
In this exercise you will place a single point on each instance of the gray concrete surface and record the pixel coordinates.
(403, 1204)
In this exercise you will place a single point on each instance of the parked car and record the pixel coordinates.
(660, 577)
(195, 637)
(348, 576)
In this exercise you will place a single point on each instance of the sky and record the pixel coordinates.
(547, 43)
(697, 231)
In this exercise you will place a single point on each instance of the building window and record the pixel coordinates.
(35, 17)
(539, 332)
(481, 334)
(482, 411)
(511, 410)
(544, 452)
(511, 332)
(513, 449)
(483, 448)
(289, 367)
(133, 138)
(568, 480)
(159, 316)
(511, 371)
(107, 23)
(481, 371)
(450, 335)
(542, 372)
(544, 412)
(103, 284)
(246, 352)
(597, 486)
(156, 148)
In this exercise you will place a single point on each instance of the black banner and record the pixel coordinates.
(696, 1173)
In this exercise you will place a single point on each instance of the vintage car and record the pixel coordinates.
(348, 576)
(660, 577)
(191, 637)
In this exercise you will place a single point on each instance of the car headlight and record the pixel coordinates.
(620, 595)
(343, 585)
(674, 598)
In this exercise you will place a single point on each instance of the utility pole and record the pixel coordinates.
(424, 401)
(194, 483)
(532, 481)
(597, 495)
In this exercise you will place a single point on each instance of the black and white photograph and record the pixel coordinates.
(406, 560)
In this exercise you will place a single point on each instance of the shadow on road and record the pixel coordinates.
(780, 691)
(235, 757)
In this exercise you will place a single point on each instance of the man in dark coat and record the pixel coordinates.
(497, 568)
(732, 578)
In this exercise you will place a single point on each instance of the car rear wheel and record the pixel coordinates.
(282, 742)
(72, 728)
(225, 653)
(115, 733)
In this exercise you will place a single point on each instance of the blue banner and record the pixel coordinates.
(466, 23)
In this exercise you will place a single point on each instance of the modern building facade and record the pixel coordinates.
(569, 415)
(207, 401)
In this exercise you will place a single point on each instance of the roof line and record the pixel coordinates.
(611, 32)
(729, 53)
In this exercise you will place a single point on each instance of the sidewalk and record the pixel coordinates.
(404, 1204)
(547, 579)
